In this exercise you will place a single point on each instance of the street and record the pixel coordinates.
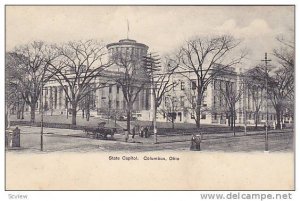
(65, 140)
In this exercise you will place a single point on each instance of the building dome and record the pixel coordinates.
(128, 46)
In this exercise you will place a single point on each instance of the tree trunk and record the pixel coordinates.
(281, 119)
(82, 113)
(199, 100)
(198, 119)
(256, 120)
(234, 123)
(154, 123)
(22, 111)
(6, 120)
(128, 119)
(18, 111)
(278, 118)
(32, 113)
(74, 113)
(88, 115)
(7, 117)
(173, 125)
(231, 121)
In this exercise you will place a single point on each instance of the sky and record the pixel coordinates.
(163, 28)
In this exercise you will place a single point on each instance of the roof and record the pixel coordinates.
(127, 42)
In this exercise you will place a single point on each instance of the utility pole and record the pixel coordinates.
(266, 60)
(42, 117)
(152, 65)
(244, 108)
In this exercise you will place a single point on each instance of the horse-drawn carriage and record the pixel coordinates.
(100, 132)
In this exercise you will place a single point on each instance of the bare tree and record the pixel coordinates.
(78, 66)
(30, 71)
(171, 106)
(87, 103)
(12, 91)
(255, 89)
(132, 78)
(206, 58)
(231, 94)
(191, 98)
(279, 90)
(285, 55)
(281, 78)
(280, 86)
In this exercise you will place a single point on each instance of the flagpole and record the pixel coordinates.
(127, 29)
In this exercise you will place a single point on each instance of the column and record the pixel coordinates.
(59, 97)
(50, 98)
(55, 97)
(63, 99)
(141, 98)
(45, 93)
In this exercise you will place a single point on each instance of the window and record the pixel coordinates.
(192, 116)
(203, 116)
(182, 101)
(194, 85)
(174, 85)
(194, 102)
(180, 116)
(118, 89)
(110, 88)
(166, 100)
(182, 87)
(214, 101)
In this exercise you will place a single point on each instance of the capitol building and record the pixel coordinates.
(109, 100)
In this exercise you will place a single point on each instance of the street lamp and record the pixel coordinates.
(266, 60)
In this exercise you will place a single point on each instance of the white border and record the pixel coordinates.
(132, 195)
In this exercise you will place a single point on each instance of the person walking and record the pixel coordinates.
(142, 131)
(133, 132)
(146, 132)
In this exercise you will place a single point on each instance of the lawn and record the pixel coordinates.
(163, 127)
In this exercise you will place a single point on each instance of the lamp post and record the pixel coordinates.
(266, 60)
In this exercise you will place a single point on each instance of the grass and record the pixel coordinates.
(62, 119)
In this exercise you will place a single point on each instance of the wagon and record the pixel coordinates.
(100, 132)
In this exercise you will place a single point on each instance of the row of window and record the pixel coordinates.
(129, 51)
(110, 88)
(193, 84)
(182, 85)
(173, 102)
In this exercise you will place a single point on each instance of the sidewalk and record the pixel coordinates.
(184, 138)
(170, 138)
